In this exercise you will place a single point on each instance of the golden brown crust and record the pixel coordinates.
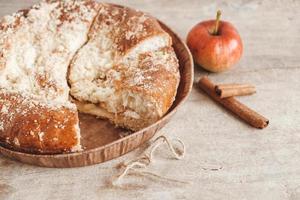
(156, 77)
(149, 84)
(33, 126)
(67, 13)
(162, 86)
(134, 82)
(30, 122)
(36, 46)
(127, 27)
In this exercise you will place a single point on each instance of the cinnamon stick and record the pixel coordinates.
(248, 115)
(230, 90)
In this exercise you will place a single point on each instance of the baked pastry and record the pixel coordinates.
(36, 47)
(62, 56)
(127, 71)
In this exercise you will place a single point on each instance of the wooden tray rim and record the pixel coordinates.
(156, 124)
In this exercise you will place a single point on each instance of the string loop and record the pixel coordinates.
(145, 160)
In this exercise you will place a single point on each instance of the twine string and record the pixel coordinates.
(145, 160)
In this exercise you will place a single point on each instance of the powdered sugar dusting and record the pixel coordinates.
(118, 69)
(114, 56)
(4, 109)
(36, 47)
(41, 136)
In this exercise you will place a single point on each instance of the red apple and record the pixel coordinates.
(216, 45)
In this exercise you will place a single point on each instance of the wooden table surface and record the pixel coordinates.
(226, 159)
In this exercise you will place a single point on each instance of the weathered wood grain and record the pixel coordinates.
(226, 159)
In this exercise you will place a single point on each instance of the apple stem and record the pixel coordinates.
(216, 30)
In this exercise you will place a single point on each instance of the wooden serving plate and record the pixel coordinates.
(101, 140)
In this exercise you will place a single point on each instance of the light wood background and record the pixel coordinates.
(226, 159)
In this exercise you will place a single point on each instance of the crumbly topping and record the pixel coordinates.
(16, 141)
(125, 46)
(4, 109)
(37, 47)
(41, 136)
(113, 53)
(31, 133)
(132, 114)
